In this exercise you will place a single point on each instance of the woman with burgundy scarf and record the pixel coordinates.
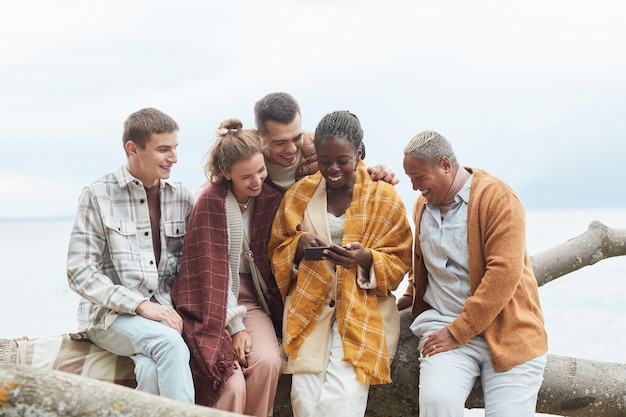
(235, 357)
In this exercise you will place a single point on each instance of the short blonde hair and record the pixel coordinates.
(430, 146)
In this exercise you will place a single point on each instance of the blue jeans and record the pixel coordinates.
(160, 355)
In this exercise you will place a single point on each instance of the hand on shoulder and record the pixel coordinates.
(383, 173)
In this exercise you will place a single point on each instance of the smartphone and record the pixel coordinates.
(315, 253)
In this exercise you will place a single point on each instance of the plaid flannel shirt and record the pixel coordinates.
(111, 262)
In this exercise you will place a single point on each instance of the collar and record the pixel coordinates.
(125, 178)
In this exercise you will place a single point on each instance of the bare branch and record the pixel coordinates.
(597, 243)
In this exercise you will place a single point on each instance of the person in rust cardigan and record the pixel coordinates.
(474, 296)
(235, 357)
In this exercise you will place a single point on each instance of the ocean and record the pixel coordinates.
(585, 311)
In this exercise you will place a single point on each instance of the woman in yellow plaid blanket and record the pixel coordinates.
(341, 325)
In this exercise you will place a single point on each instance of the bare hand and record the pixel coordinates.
(353, 254)
(242, 343)
(405, 301)
(308, 240)
(382, 173)
(439, 341)
(157, 312)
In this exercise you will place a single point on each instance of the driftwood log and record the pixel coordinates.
(572, 387)
(30, 391)
(597, 243)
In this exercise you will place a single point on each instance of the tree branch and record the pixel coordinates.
(597, 243)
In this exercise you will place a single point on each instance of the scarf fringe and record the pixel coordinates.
(223, 368)
(367, 376)
(292, 345)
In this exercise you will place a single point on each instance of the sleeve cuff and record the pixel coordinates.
(234, 319)
(366, 279)
(235, 326)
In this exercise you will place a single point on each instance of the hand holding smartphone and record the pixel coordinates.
(315, 253)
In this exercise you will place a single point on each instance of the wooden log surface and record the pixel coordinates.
(33, 392)
(572, 387)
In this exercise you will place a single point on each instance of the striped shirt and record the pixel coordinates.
(111, 262)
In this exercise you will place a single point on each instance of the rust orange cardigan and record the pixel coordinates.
(504, 300)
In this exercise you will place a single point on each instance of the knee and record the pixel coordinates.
(174, 347)
(271, 364)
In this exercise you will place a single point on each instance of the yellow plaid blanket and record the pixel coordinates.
(377, 219)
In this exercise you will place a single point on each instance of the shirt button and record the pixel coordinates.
(146, 234)
(151, 262)
(150, 291)
(332, 303)
(142, 201)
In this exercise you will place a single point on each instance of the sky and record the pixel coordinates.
(533, 91)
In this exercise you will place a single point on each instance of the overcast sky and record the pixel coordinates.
(533, 91)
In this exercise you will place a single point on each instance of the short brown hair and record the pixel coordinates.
(279, 107)
(140, 125)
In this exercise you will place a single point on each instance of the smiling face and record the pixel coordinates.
(337, 159)
(247, 177)
(431, 180)
(284, 141)
(155, 161)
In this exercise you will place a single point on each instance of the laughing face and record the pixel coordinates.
(431, 180)
(247, 177)
(337, 159)
(154, 162)
(284, 141)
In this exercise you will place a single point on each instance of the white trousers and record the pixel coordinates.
(334, 392)
(447, 378)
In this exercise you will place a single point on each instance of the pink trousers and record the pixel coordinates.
(251, 391)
